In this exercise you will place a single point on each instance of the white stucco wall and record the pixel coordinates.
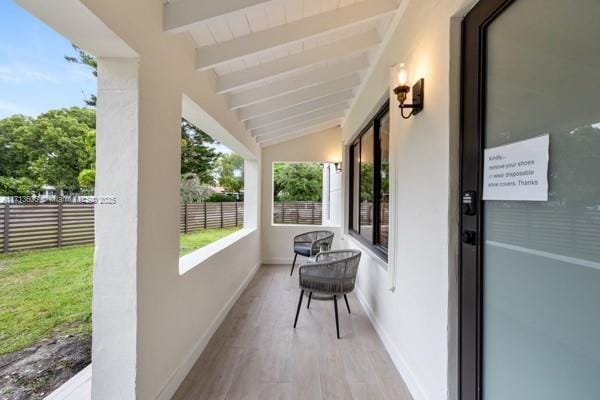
(414, 319)
(277, 240)
(332, 196)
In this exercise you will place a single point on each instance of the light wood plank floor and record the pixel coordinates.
(257, 355)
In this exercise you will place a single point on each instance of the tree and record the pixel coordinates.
(197, 157)
(84, 58)
(52, 149)
(87, 179)
(230, 170)
(366, 182)
(17, 186)
(192, 190)
(297, 182)
(62, 147)
(15, 146)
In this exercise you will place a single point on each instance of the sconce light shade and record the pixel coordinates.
(402, 75)
(402, 90)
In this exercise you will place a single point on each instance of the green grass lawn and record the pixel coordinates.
(192, 241)
(44, 291)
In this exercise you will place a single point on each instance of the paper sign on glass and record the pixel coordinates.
(517, 171)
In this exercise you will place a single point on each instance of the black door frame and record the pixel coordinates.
(473, 84)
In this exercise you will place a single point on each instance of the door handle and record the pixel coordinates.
(469, 237)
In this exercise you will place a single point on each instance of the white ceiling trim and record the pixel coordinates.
(302, 108)
(320, 112)
(298, 126)
(297, 82)
(269, 140)
(298, 97)
(302, 125)
(293, 32)
(339, 49)
(180, 16)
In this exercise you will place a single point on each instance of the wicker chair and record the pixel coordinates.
(309, 244)
(332, 274)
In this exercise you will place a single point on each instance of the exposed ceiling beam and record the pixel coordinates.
(301, 96)
(320, 112)
(339, 49)
(293, 32)
(274, 139)
(298, 82)
(303, 124)
(308, 106)
(180, 16)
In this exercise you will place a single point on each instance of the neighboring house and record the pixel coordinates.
(48, 193)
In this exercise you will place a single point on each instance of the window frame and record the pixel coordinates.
(374, 123)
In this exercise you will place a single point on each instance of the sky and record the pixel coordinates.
(34, 76)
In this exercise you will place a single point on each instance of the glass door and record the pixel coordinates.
(530, 308)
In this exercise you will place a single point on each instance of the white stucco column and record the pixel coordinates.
(326, 193)
(116, 227)
(251, 193)
(335, 197)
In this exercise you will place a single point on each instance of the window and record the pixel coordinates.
(369, 183)
(211, 190)
(297, 193)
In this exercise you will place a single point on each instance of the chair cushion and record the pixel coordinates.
(303, 249)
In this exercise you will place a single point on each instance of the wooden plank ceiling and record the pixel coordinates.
(287, 67)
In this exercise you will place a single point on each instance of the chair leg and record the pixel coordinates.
(294, 264)
(309, 299)
(337, 322)
(299, 305)
(347, 305)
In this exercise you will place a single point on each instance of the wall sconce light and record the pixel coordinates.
(402, 90)
(338, 167)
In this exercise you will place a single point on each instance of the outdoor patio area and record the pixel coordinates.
(434, 160)
(257, 354)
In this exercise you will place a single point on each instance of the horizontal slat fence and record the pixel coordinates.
(366, 213)
(198, 216)
(39, 226)
(298, 212)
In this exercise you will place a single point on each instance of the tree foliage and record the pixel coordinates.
(230, 171)
(297, 182)
(87, 179)
(366, 182)
(222, 197)
(197, 156)
(16, 186)
(193, 190)
(15, 143)
(52, 149)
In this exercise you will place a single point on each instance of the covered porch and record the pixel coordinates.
(275, 81)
